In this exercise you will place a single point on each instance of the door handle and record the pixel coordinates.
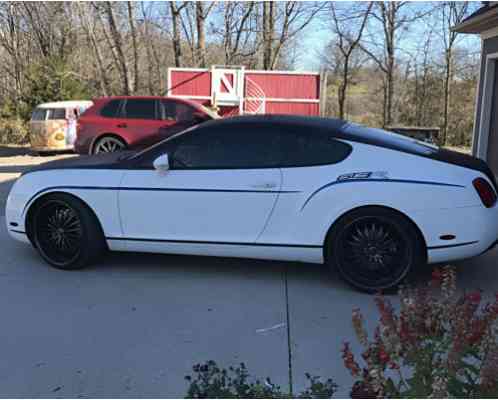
(266, 185)
(121, 125)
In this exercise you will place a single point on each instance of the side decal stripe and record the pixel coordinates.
(378, 180)
(16, 231)
(216, 243)
(452, 245)
(156, 190)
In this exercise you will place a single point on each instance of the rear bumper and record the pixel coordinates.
(475, 230)
(82, 145)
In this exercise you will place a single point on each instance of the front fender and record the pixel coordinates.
(102, 198)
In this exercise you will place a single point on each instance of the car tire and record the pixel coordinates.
(374, 249)
(65, 232)
(108, 144)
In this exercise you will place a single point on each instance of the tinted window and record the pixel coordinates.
(110, 110)
(225, 147)
(306, 148)
(39, 114)
(184, 112)
(140, 109)
(56, 113)
(168, 110)
(390, 139)
(176, 111)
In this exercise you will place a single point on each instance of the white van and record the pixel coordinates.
(50, 124)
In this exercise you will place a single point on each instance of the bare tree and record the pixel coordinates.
(452, 13)
(392, 19)
(201, 14)
(348, 28)
(237, 31)
(133, 32)
(118, 45)
(175, 10)
(281, 22)
(10, 41)
(89, 28)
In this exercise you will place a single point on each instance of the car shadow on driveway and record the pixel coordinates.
(14, 169)
(5, 186)
(12, 151)
(148, 263)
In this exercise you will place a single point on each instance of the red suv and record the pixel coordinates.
(117, 123)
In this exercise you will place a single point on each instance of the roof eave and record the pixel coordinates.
(479, 23)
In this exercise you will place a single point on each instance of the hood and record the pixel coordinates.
(98, 161)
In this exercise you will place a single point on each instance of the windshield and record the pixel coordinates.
(390, 139)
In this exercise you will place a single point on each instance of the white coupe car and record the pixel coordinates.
(372, 204)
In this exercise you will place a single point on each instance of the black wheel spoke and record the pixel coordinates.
(58, 232)
(372, 251)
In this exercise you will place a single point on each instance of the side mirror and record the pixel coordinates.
(161, 164)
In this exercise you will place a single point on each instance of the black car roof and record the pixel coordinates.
(346, 130)
(327, 123)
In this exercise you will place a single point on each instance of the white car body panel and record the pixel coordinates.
(218, 205)
(103, 201)
(274, 213)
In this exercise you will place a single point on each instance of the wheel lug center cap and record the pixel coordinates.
(372, 250)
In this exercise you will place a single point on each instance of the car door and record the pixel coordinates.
(221, 188)
(141, 120)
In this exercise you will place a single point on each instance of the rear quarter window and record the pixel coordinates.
(391, 140)
(303, 148)
(111, 109)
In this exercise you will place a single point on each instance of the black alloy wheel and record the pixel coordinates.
(65, 232)
(374, 249)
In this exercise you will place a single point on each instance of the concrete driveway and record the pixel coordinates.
(133, 325)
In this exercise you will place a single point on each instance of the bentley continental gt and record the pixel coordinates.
(371, 204)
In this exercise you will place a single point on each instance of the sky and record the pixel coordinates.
(317, 35)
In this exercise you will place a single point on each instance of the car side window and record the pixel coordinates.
(303, 148)
(56, 113)
(184, 112)
(230, 146)
(176, 111)
(39, 114)
(111, 109)
(140, 109)
(167, 110)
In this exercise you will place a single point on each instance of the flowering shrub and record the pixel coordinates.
(212, 382)
(439, 344)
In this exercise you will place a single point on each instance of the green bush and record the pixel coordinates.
(211, 381)
(13, 131)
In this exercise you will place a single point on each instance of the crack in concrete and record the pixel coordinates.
(289, 346)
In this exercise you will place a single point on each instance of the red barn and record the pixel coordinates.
(236, 90)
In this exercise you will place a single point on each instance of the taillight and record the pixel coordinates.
(485, 192)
